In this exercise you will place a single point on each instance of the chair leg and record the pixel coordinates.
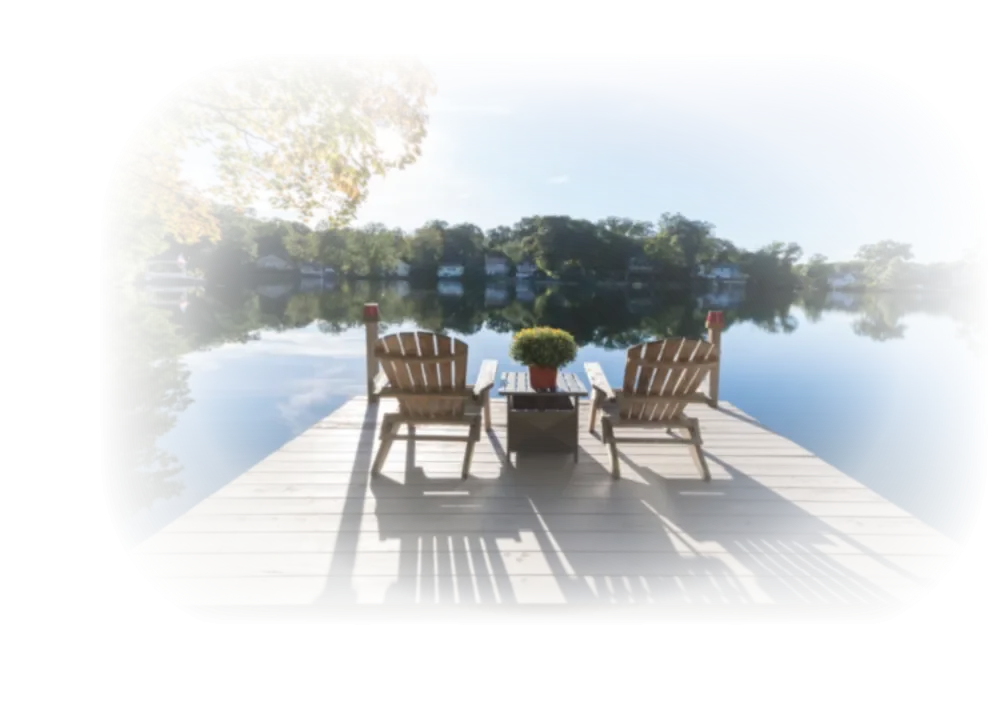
(696, 453)
(470, 446)
(389, 427)
(608, 436)
(596, 400)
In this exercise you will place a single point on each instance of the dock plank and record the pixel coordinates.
(461, 560)
(308, 527)
(656, 540)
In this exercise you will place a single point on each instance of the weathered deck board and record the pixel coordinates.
(308, 527)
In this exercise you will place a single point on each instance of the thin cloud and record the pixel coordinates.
(558, 180)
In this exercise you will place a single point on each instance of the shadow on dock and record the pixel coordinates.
(611, 549)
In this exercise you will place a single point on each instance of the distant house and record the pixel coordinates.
(526, 269)
(402, 269)
(450, 271)
(845, 279)
(524, 292)
(961, 279)
(273, 262)
(496, 266)
(723, 272)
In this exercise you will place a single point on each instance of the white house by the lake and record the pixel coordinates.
(273, 262)
(450, 271)
(402, 269)
(844, 280)
(496, 266)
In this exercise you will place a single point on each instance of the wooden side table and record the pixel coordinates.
(547, 421)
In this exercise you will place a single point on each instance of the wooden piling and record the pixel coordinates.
(371, 319)
(714, 322)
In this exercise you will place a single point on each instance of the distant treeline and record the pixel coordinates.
(675, 251)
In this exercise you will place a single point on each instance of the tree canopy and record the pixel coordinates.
(307, 136)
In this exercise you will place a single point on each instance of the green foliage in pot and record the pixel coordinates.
(543, 347)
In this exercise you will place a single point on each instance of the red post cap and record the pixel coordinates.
(714, 318)
(371, 312)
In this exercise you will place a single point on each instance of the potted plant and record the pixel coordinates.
(544, 350)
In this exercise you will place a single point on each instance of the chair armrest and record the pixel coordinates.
(487, 376)
(597, 379)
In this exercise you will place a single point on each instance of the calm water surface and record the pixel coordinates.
(211, 382)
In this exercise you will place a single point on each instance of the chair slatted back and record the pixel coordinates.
(656, 372)
(422, 366)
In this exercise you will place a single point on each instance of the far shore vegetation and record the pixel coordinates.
(674, 253)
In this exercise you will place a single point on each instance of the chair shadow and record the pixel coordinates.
(544, 529)
(437, 546)
(784, 568)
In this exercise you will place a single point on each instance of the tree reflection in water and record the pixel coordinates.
(150, 388)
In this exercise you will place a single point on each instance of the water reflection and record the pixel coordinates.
(151, 389)
(302, 352)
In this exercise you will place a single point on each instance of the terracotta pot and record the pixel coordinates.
(543, 377)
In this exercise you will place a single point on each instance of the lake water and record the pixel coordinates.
(211, 382)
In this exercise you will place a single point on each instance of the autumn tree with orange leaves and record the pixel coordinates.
(299, 127)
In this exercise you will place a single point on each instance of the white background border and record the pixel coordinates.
(83, 636)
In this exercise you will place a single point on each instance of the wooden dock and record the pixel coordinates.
(308, 531)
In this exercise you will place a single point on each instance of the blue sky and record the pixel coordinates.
(828, 155)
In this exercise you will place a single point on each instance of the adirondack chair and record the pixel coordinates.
(425, 372)
(661, 379)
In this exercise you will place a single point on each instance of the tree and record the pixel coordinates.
(564, 247)
(772, 266)
(619, 241)
(690, 238)
(225, 260)
(464, 245)
(879, 257)
(816, 272)
(897, 274)
(305, 135)
(373, 250)
(302, 247)
(425, 251)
